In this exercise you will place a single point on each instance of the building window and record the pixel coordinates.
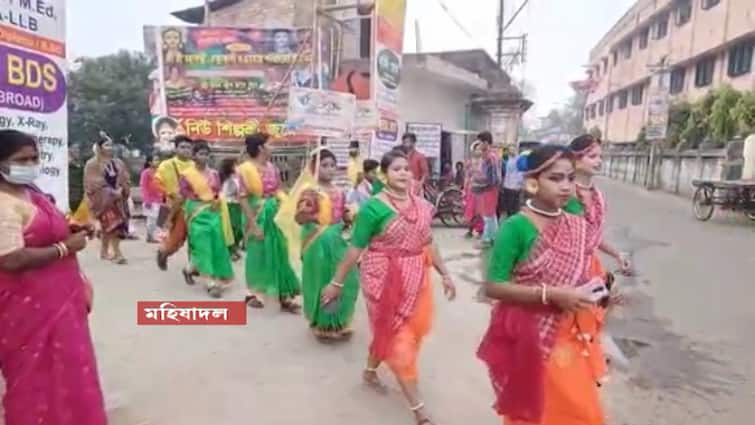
(601, 107)
(707, 4)
(683, 12)
(623, 98)
(609, 104)
(605, 64)
(677, 80)
(644, 36)
(626, 49)
(740, 58)
(704, 72)
(615, 57)
(661, 26)
(593, 111)
(638, 92)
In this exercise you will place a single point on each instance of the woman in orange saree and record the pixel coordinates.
(393, 238)
(536, 350)
(46, 352)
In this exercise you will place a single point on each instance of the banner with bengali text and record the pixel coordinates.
(33, 85)
(223, 83)
(321, 113)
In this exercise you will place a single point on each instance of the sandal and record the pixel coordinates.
(289, 306)
(162, 261)
(372, 380)
(253, 302)
(121, 261)
(188, 276)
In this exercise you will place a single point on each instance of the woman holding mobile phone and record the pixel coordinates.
(536, 351)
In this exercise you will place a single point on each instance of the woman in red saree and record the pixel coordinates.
(537, 348)
(46, 353)
(106, 182)
(473, 170)
(393, 238)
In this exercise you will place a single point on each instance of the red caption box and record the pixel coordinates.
(175, 313)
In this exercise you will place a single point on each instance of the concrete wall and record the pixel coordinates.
(674, 172)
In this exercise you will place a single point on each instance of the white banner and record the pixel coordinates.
(428, 137)
(321, 113)
(33, 84)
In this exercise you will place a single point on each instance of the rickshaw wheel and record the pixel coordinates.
(702, 203)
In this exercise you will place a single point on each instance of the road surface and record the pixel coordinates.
(687, 329)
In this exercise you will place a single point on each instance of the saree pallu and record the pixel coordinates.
(322, 251)
(237, 222)
(208, 246)
(539, 358)
(268, 268)
(394, 275)
(46, 351)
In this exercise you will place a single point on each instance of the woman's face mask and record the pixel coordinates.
(21, 174)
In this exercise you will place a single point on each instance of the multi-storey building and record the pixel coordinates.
(703, 44)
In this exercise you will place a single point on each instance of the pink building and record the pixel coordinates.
(702, 43)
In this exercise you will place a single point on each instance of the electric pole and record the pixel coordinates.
(499, 53)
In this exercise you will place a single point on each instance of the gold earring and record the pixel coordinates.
(532, 186)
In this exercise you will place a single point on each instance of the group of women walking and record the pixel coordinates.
(542, 346)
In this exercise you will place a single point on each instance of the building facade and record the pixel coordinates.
(701, 44)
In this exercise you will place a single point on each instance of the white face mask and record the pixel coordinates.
(21, 174)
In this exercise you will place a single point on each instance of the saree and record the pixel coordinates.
(395, 281)
(102, 181)
(537, 356)
(267, 266)
(208, 221)
(46, 352)
(320, 215)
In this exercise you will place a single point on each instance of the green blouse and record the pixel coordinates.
(373, 217)
(574, 206)
(515, 240)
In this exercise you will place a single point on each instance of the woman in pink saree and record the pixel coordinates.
(46, 353)
(393, 238)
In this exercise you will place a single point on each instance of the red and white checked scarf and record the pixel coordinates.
(392, 272)
(519, 339)
(595, 215)
(559, 258)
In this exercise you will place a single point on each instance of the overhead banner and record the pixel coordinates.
(321, 113)
(223, 83)
(428, 137)
(388, 41)
(33, 79)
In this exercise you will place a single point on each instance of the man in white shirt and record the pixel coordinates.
(512, 186)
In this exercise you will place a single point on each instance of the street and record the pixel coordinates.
(685, 329)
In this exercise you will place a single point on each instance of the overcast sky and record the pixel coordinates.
(561, 32)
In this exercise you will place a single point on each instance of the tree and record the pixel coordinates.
(110, 93)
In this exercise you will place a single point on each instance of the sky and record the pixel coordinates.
(561, 33)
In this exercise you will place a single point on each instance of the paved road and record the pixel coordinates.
(688, 329)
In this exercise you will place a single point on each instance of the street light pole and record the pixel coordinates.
(207, 13)
(499, 53)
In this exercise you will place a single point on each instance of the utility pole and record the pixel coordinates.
(499, 53)
(207, 13)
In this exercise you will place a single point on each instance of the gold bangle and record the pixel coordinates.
(59, 248)
(337, 285)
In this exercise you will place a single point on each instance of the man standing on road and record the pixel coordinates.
(417, 162)
(512, 186)
(485, 187)
(167, 177)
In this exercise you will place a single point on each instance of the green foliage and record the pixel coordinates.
(723, 124)
(110, 93)
(744, 113)
(679, 114)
